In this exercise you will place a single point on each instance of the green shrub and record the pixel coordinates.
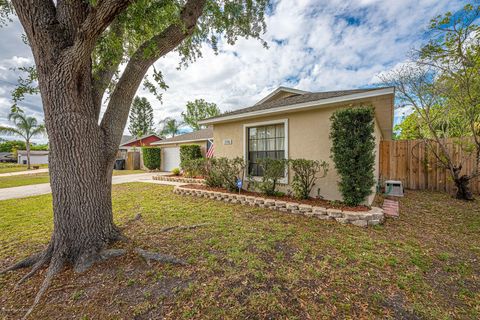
(194, 167)
(213, 176)
(151, 157)
(225, 172)
(305, 174)
(353, 152)
(10, 146)
(273, 170)
(176, 171)
(189, 152)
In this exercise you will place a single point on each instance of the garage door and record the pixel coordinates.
(171, 158)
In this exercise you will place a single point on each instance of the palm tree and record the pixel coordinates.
(26, 127)
(170, 126)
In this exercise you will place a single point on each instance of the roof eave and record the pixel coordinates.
(178, 141)
(300, 106)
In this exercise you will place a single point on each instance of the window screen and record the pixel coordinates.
(265, 142)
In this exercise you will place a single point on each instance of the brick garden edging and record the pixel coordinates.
(372, 217)
(178, 179)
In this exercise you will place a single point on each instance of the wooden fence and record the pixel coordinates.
(412, 163)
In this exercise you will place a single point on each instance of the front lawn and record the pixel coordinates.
(255, 263)
(43, 177)
(14, 167)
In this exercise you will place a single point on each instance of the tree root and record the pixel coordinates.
(25, 263)
(90, 257)
(56, 265)
(149, 256)
(180, 227)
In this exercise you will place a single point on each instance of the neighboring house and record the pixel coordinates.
(170, 148)
(7, 157)
(36, 157)
(130, 143)
(290, 123)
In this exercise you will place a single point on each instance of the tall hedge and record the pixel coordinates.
(151, 157)
(189, 152)
(353, 152)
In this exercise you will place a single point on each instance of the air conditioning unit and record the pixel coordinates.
(394, 188)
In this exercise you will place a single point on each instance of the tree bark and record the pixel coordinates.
(79, 167)
(463, 189)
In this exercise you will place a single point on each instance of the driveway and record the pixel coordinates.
(19, 173)
(44, 188)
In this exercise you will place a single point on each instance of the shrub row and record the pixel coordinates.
(225, 173)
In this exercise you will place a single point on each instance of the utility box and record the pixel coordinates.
(394, 188)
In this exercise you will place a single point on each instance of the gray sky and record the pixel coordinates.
(313, 45)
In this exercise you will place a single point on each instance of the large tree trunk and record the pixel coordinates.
(80, 168)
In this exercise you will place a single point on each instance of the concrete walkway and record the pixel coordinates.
(44, 188)
(19, 173)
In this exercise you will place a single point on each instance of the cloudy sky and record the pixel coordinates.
(314, 45)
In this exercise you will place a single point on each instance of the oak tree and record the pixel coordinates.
(85, 50)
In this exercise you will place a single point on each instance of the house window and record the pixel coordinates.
(265, 142)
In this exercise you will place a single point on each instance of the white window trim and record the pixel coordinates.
(245, 144)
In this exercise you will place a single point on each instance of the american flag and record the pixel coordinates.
(211, 151)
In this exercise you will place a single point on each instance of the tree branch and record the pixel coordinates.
(71, 14)
(40, 24)
(97, 20)
(115, 118)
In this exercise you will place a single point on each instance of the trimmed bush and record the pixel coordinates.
(353, 152)
(189, 152)
(273, 170)
(151, 157)
(305, 175)
(213, 177)
(194, 167)
(176, 171)
(224, 172)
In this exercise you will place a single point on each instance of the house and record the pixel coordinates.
(36, 157)
(170, 148)
(290, 123)
(7, 157)
(130, 143)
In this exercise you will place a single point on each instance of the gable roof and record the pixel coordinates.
(133, 139)
(310, 100)
(279, 91)
(199, 135)
(125, 138)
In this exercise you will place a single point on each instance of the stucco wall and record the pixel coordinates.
(308, 137)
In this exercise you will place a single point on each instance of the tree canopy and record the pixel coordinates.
(442, 85)
(197, 110)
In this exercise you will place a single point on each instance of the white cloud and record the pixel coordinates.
(314, 45)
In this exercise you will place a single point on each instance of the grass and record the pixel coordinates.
(256, 263)
(14, 167)
(43, 177)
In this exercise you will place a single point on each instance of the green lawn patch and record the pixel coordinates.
(43, 177)
(256, 263)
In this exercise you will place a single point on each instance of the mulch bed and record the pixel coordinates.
(311, 201)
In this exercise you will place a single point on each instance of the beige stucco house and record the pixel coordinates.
(290, 123)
